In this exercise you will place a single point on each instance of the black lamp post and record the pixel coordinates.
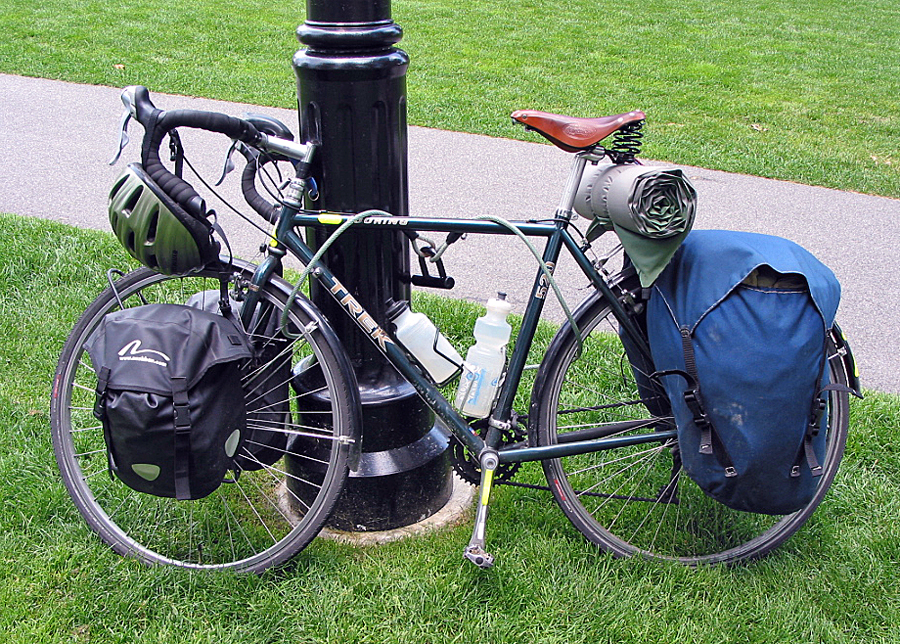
(351, 87)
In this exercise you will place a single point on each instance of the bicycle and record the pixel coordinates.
(611, 465)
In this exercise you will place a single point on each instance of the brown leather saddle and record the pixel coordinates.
(572, 133)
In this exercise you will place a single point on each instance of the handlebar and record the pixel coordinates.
(157, 123)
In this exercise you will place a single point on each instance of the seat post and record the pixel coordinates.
(567, 201)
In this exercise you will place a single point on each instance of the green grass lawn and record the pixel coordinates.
(835, 581)
(795, 90)
(798, 90)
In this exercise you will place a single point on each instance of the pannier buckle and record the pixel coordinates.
(701, 420)
(692, 399)
(100, 398)
(819, 407)
(181, 404)
(182, 416)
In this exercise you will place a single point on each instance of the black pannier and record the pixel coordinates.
(169, 397)
(266, 382)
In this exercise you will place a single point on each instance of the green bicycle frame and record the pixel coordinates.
(557, 235)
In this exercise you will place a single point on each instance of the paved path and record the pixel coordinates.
(56, 139)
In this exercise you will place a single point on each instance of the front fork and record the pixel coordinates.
(475, 551)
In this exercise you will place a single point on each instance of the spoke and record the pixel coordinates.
(228, 527)
(85, 477)
(190, 547)
(311, 392)
(617, 492)
(262, 396)
(614, 406)
(628, 457)
(252, 507)
(666, 492)
(271, 471)
(282, 451)
(277, 362)
(653, 504)
(263, 493)
(81, 430)
(306, 434)
(91, 453)
(240, 528)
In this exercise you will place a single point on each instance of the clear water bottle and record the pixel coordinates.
(483, 367)
(421, 338)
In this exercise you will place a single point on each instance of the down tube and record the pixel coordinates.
(432, 397)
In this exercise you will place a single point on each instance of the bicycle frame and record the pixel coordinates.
(557, 235)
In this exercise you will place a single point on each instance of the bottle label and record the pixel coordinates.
(472, 384)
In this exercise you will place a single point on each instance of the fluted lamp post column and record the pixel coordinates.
(351, 87)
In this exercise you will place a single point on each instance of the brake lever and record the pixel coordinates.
(229, 164)
(123, 137)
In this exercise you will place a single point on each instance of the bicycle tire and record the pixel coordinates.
(264, 515)
(621, 499)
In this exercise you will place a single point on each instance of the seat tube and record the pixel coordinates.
(529, 325)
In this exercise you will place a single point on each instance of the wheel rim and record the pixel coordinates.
(252, 521)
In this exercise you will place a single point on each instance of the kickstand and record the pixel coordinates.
(475, 551)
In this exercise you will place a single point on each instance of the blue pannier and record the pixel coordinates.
(738, 322)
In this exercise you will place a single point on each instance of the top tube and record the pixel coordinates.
(328, 219)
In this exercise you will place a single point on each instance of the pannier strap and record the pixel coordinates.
(813, 429)
(100, 399)
(182, 439)
(100, 414)
(695, 405)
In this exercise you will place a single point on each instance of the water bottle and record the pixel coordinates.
(421, 338)
(483, 367)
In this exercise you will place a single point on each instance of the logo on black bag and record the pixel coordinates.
(133, 351)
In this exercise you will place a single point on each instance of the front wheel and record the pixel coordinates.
(636, 499)
(303, 419)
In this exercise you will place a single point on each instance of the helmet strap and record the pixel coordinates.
(176, 153)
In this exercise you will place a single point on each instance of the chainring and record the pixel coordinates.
(466, 464)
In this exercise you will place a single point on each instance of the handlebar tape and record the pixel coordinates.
(157, 123)
(260, 204)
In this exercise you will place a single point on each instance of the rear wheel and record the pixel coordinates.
(303, 422)
(636, 500)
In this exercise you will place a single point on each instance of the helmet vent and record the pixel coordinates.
(118, 186)
(154, 222)
(130, 245)
(132, 200)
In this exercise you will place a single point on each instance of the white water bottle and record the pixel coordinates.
(483, 367)
(420, 337)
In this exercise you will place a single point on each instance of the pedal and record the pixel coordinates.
(479, 557)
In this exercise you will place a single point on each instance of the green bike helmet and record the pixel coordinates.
(155, 230)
